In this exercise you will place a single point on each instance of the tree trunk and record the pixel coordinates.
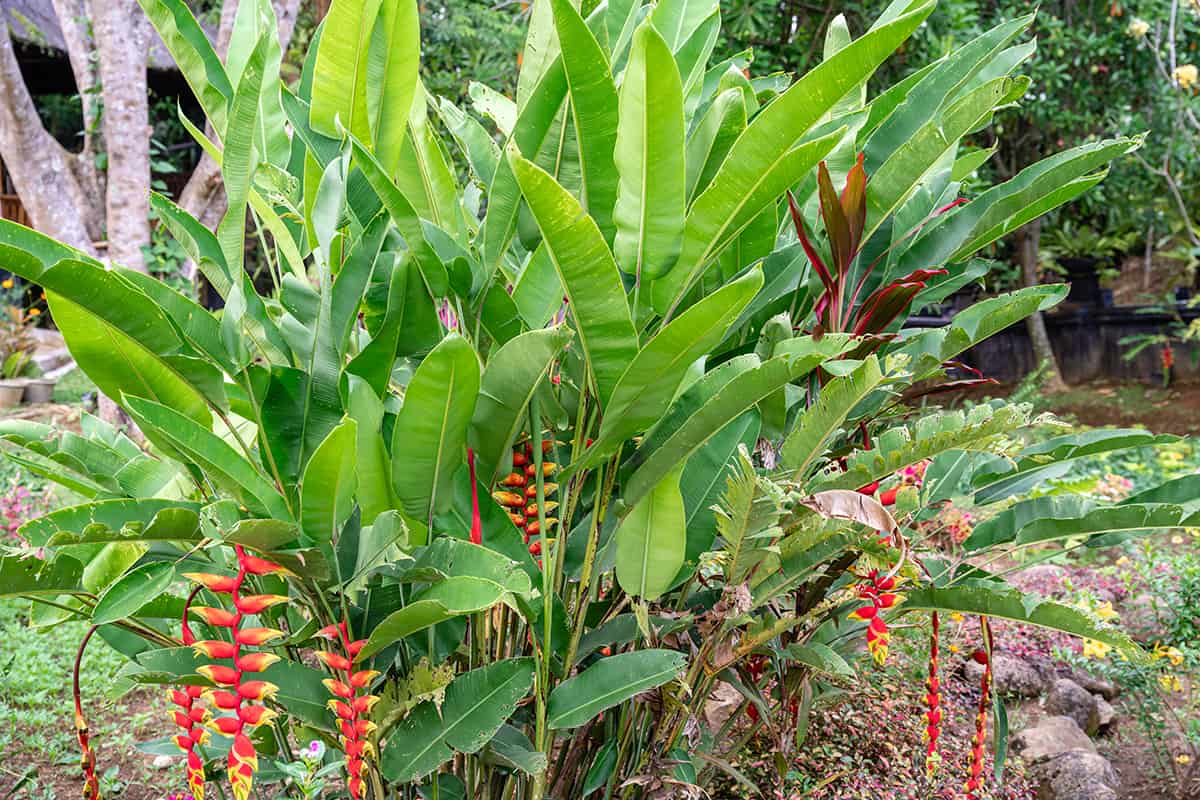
(1028, 239)
(51, 184)
(73, 16)
(122, 40)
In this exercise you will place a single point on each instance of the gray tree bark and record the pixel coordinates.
(1028, 240)
(122, 41)
(57, 191)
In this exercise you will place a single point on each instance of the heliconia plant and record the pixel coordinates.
(549, 416)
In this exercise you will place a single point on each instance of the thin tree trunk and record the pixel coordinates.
(46, 176)
(122, 39)
(73, 18)
(1028, 239)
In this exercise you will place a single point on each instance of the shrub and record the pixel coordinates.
(501, 479)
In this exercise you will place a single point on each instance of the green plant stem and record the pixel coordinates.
(605, 479)
(545, 738)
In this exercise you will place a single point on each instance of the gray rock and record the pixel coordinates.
(1106, 689)
(1076, 776)
(1051, 737)
(1144, 618)
(1106, 714)
(1011, 676)
(1068, 699)
(162, 762)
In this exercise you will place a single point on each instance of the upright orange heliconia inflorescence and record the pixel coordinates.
(351, 702)
(933, 702)
(519, 493)
(244, 698)
(984, 657)
(87, 756)
(877, 590)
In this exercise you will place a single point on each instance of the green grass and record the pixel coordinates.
(36, 704)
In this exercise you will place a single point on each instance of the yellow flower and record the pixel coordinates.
(1095, 649)
(1186, 76)
(954, 649)
(1123, 561)
(1183, 758)
(8, 283)
(1170, 683)
(1106, 612)
(1169, 653)
(1176, 539)
(1138, 28)
(956, 616)
(33, 312)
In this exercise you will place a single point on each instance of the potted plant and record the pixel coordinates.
(16, 354)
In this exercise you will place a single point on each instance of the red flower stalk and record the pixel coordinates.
(191, 718)
(975, 769)
(237, 694)
(476, 524)
(350, 707)
(876, 589)
(87, 756)
(933, 701)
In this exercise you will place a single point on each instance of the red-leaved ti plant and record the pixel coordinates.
(350, 702)
(234, 693)
(984, 656)
(877, 590)
(933, 702)
(87, 756)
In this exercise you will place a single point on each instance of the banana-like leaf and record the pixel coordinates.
(181, 438)
(765, 160)
(476, 143)
(132, 591)
(453, 597)
(392, 61)
(193, 53)
(510, 378)
(588, 274)
(328, 486)
(63, 471)
(476, 704)
(998, 600)
(239, 159)
(1105, 524)
(611, 681)
(651, 540)
(34, 577)
(431, 428)
(650, 382)
(340, 77)
(806, 443)
(594, 105)
(121, 520)
(649, 158)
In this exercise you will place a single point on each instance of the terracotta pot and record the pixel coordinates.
(10, 393)
(39, 390)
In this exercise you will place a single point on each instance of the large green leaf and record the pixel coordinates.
(182, 438)
(452, 597)
(31, 576)
(765, 160)
(817, 423)
(510, 378)
(431, 428)
(340, 77)
(1004, 602)
(392, 62)
(373, 466)
(239, 159)
(476, 704)
(648, 385)
(652, 540)
(595, 108)
(610, 681)
(133, 590)
(649, 158)
(113, 521)
(192, 52)
(710, 140)
(588, 273)
(1049, 519)
(328, 486)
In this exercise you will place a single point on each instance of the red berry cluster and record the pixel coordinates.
(877, 590)
(350, 702)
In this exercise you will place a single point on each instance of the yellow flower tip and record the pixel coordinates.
(1183, 758)
(34, 312)
(1106, 612)
(956, 616)
(8, 283)
(1186, 76)
(1095, 649)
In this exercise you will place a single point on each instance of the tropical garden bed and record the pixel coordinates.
(572, 446)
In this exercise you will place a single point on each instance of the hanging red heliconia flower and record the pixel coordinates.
(191, 718)
(350, 702)
(234, 692)
(876, 589)
(933, 702)
(975, 769)
(87, 756)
